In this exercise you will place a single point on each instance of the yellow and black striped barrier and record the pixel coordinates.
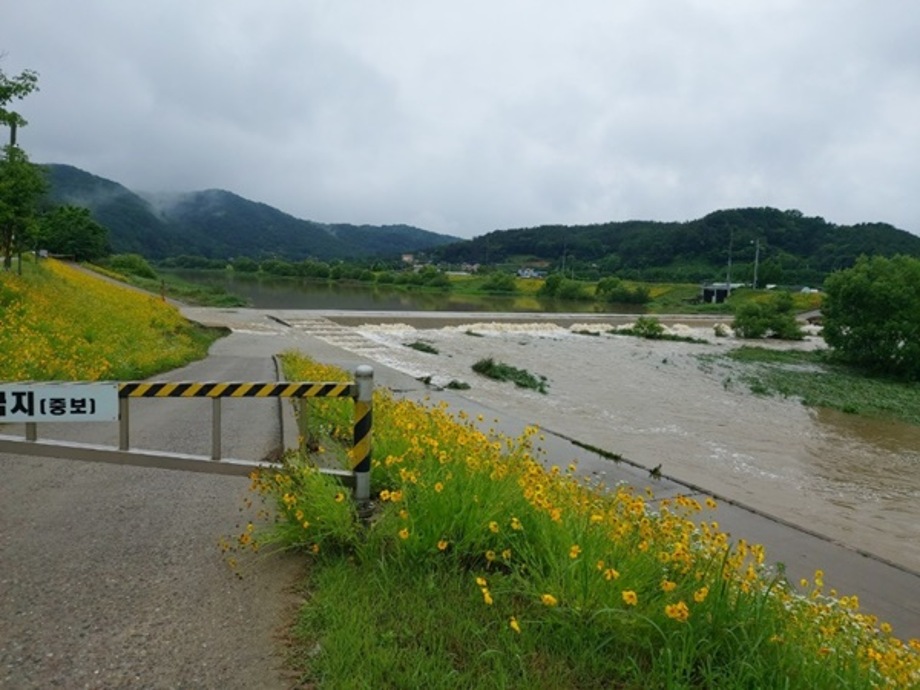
(364, 414)
(361, 390)
(188, 389)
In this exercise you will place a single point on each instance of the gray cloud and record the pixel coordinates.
(485, 115)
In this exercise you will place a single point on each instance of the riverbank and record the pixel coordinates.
(658, 403)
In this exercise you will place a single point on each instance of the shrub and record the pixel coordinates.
(500, 282)
(648, 327)
(504, 372)
(131, 264)
(774, 318)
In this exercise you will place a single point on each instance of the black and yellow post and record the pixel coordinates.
(364, 412)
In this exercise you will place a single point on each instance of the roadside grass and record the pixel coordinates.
(818, 381)
(479, 567)
(61, 324)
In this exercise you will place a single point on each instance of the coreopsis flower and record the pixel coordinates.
(678, 611)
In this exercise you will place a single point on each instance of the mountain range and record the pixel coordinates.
(783, 246)
(219, 224)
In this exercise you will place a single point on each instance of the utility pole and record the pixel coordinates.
(756, 260)
(728, 277)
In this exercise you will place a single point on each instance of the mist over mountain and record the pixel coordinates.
(219, 224)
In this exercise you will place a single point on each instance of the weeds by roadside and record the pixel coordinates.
(480, 567)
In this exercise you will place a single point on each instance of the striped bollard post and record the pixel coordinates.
(364, 411)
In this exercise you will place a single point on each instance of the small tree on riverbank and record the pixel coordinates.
(774, 318)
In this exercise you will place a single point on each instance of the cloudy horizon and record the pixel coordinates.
(464, 119)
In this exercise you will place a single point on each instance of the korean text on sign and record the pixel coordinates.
(58, 402)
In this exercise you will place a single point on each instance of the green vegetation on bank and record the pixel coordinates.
(819, 381)
(133, 269)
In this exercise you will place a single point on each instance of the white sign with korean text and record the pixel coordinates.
(58, 402)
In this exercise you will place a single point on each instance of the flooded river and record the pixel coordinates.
(854, 480)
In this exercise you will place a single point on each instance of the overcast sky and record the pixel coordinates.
(467, 117)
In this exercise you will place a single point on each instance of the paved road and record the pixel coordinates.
(111, 576)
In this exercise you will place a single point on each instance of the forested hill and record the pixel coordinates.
(793, 248)
(219, 224)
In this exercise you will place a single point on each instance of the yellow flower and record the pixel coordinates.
(668, 586)
(438, 487)
(486, 596)
(385, 495)
(339, 497)
(481, 581)
(699, 596)
(516, 524)
(711, 503)
(575, 551)
(549, 600)
(404, 533)
(611, 574)
(490, 555)
(493, 527)
(514, 625)
(678, 611)
(442, 545)
(630, 598)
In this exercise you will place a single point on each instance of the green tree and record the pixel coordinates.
(774, 318)
(550, 285)
(21, 186)
(500, 282)
(133, 265)
(871, 315)
(71, 230)
(15, 88)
